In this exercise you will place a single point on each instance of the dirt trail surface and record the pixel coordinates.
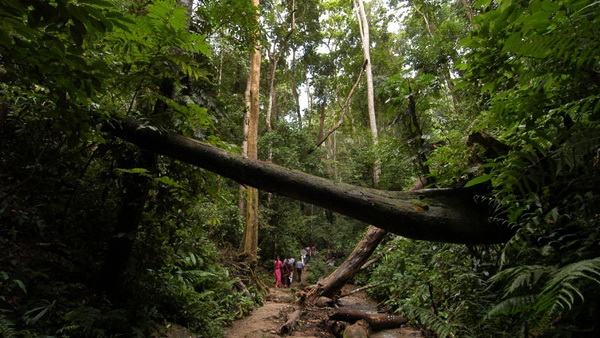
(266, 320)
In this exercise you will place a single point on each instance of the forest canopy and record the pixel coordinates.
(497, 98)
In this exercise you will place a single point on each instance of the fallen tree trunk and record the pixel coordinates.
(376, 322)
(333, 283)
(356, 261)
(444, 215)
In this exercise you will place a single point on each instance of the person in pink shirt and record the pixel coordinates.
(277, 264)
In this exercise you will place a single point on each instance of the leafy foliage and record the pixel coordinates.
(526, 73)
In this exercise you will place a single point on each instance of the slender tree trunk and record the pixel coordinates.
(249, 245)
(242, 189)
(273, 60)
(322, 116)
(295, 89)
(366, 45)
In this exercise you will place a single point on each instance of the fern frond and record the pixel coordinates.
(512, 305)
(561, 291)
(521, 277)
(430, 320)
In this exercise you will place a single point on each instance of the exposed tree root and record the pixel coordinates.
(289, 325)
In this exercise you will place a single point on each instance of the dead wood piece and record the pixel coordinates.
(381, 322)
(369, 263)
(377, 322)
(290, 324)
(360, 289)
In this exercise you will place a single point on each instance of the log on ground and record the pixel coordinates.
(376, 322)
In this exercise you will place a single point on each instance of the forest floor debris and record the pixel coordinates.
(265, 321)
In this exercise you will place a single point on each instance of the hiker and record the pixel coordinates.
(285, 272)
(299, 268)
(292, 262)
(303, 256)
(277, 267)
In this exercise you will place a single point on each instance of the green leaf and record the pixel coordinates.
(133, 170)
(539, 20)
(479, 180)
(168, 181)
(512, 43)
(20, 285)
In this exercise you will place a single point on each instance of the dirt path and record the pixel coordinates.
(266, 320)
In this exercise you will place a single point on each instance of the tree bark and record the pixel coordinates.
(444, 215)
(249, 245)
(366, 45)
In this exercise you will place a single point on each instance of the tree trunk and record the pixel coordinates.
(351, 266)
(136, 186)
(273, 60)
(130, 214)
(322, 116)
(295, 88)
(366, 45)
(445, 215)
(249, 245)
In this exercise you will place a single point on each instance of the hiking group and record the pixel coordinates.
(284, 270)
